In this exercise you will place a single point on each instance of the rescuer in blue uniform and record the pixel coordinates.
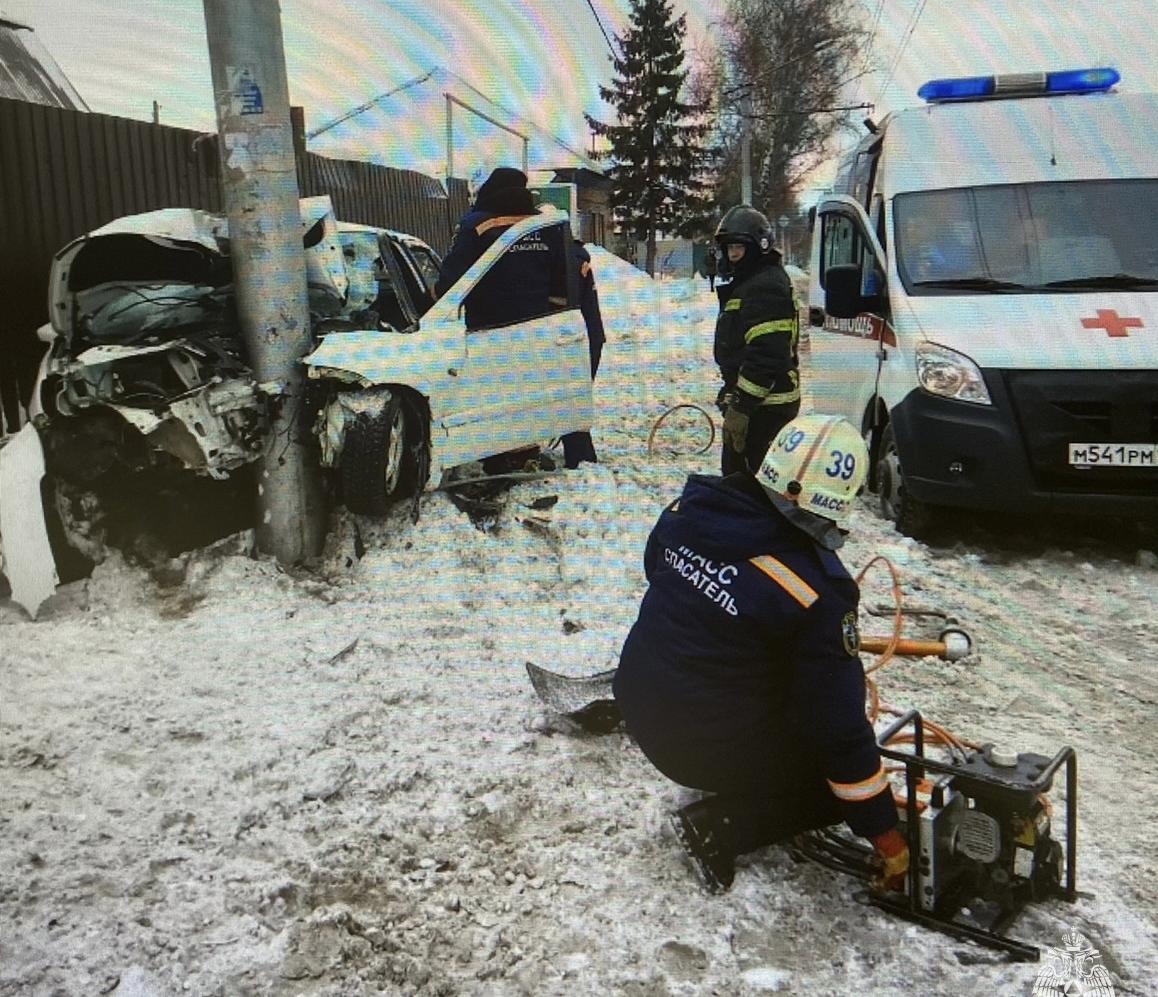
(756, 339)
(578, 447)
(530, 279)
(741, 675)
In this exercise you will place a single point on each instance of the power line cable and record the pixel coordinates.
(918, 10)
(875, 24)
(868, 48)
(518, 117)
(444, 72)
(900, 48)
(603, 30)
(361, 108)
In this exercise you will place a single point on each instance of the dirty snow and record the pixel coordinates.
(229, 779)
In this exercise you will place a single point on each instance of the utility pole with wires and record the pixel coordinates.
(747, 116)
(746, 148)
(451, 100)
(260, 187)
(447, 82)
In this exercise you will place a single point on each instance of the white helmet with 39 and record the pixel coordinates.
(819, 460)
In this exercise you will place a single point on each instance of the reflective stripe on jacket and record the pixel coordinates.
(741, 673)
(757, 333)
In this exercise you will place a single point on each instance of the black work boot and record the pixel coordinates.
(706, 837)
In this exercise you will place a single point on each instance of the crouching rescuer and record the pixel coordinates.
(741, 675)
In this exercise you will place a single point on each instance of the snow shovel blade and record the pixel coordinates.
(585, 699)
(570, 694)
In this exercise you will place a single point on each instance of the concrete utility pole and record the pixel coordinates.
(746, 116)
(259, 183)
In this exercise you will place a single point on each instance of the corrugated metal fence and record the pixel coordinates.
(398, 199)
(64, 173)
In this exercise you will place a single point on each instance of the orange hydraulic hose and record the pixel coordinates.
(887, 648)
(903, 646)
(890, 647)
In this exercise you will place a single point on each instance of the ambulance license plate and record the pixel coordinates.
(1114, 455)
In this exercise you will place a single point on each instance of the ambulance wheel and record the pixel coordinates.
(910, 516)
(377, 461)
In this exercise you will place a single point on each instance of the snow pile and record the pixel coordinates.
(236, 780)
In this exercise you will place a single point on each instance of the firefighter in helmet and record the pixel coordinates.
(756, 339)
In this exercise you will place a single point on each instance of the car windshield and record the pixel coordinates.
(1074, 236)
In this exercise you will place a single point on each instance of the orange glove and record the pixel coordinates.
(891, 861)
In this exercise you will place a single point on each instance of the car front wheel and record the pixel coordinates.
(377, 461)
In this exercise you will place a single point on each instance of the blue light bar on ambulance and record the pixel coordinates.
(1019, 85)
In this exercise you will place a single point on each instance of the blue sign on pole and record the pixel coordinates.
(249, 94)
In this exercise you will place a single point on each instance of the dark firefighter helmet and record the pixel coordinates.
(745, 225)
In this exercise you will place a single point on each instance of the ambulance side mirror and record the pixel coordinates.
(842, 297)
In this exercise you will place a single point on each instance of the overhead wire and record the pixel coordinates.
(603, 30)
(429, 75)
(872, 36)
(914, 20)
(511, 114)
(361, 108)
(894, 61)
(875, 24)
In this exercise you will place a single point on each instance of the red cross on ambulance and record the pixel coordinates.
(1114, 324)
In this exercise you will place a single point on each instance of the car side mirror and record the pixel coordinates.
(842, 286)
(812, 218)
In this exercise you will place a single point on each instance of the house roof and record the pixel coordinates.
(28, 72)
(583, 177)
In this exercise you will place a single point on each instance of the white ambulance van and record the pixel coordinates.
(984, 299)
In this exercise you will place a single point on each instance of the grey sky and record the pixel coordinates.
(542, 59)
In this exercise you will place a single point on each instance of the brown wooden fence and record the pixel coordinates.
(64, 173)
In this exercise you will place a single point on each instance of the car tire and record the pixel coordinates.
(72, 564)
(910, 516)
(377, 462)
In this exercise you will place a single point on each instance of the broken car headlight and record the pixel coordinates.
(945, 372)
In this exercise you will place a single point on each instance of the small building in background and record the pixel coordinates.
(29, 73)
(591, 199)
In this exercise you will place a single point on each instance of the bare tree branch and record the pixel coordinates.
(784, 70)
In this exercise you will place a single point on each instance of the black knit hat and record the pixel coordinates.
(505, 193)
(501, 178)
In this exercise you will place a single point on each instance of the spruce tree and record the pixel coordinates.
(656, 144)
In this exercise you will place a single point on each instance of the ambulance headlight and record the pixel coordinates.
(950, 374)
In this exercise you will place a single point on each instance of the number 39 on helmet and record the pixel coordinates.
(821, 461)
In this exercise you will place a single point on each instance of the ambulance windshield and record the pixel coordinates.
(1085, 235)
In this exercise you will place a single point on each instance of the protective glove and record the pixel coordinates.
(736, 428)
(891, 861)
(724, 397)
(741, 405)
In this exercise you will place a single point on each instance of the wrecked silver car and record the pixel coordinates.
(150, 418)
